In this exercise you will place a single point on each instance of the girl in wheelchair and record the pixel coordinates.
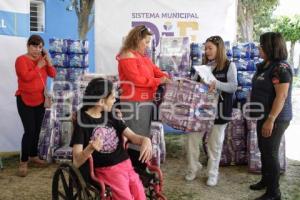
(99, 133)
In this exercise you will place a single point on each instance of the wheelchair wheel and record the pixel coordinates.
(68, 184)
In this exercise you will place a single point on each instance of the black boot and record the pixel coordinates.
(258, 186)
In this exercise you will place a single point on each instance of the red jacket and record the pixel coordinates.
(142, 77)
(31, 80)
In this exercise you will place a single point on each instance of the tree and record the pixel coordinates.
(289, 27)
(252, 13)
(83, 9)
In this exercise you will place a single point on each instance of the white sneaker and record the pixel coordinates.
(212, 181)
(191, 175)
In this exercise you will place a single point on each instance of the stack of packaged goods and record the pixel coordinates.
(234, 150)
(174, 56)
(70, 57)
(245, 57)
(45, 136)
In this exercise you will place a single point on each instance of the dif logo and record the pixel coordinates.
(182, 27)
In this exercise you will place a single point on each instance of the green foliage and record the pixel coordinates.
(289, 27)
(263, 20)
(263, 16)
(261, 6)
(259, 12)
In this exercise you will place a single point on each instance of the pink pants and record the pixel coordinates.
(123, 181)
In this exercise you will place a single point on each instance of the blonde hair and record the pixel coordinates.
(133, 38)
(221, 58)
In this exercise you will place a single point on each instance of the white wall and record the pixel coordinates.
(10, 123)
(11, 129)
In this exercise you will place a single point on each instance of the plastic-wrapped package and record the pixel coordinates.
(243, 92)
(196, 53)
(78, 60)
(246, 51)
(228, 49)
(62, 154)
(78, 46)
(49, 139)
(188, 106)
(237, 52)
(74, 74)
(59, 59)
(175, 56)
(234, 150)
(245, 78)
(61, 74)
(245, 65)
(58, 45)
(254, 52)
(158, 143)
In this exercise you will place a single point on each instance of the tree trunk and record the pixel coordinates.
(298, 68)
(249, 26)
(83, 11)
(291, 57)
(83, 26)
(245, 22)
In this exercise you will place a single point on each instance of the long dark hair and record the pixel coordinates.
(98, 88)
(273, 45)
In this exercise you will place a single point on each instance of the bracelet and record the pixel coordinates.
(272, 117)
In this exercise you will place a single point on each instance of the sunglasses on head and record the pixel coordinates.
(143, 28)
(214, 39)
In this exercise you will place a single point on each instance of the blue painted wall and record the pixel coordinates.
(60, 23)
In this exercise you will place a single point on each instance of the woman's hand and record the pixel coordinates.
(96, 144)
(267, 128)
(212, 86)
(46, 57)
(41, 63)
(146, 150)
(164, 80)
(118, 113)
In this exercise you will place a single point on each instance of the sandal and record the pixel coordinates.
(38, 162)
(23, 169)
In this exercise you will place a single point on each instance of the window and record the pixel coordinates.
(37, 15)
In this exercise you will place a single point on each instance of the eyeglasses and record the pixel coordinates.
(214, 39)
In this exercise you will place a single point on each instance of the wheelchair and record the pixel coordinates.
(68, 183)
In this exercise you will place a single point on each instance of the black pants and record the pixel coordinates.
(269, 148)
(31, 118)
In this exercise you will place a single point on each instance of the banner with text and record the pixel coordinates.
(193, 18)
